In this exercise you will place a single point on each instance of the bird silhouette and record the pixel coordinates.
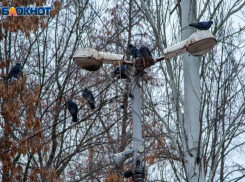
(146, 60)
(14, 72)
(88, 96)
(128, 174)
(133, 51)
(202, 25)
(121, 69)
(145, 51)
(73, 109)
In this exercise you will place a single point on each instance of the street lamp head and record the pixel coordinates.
(92, 60)
(197, 44)
(121, 157)
(200, 43)
(87, 59)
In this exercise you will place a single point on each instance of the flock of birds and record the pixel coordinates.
(143, 58)
(119, 72)
(73, 108)
(16, 71)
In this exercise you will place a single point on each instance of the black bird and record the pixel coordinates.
(88, 96)
(134, 51)
(146, 60)
(14, 72)
(73, 109)
(128, 174)
(145, 51)
(122, 70)
(202, 25)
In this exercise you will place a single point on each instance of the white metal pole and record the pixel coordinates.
(136, 109)
(137, 125)
(192, 95)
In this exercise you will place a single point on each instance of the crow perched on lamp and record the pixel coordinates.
(205, 25)
(73, 109)
(145, 60)
(88, 96)
(145, 51)
(14, 72)
(133, 51)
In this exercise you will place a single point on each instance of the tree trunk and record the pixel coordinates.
(192, 157)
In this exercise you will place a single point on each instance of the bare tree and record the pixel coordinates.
(40, 143)
(173, 79)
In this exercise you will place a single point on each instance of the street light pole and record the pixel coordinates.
(192, 97)
(197, 44)
(137, 127)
